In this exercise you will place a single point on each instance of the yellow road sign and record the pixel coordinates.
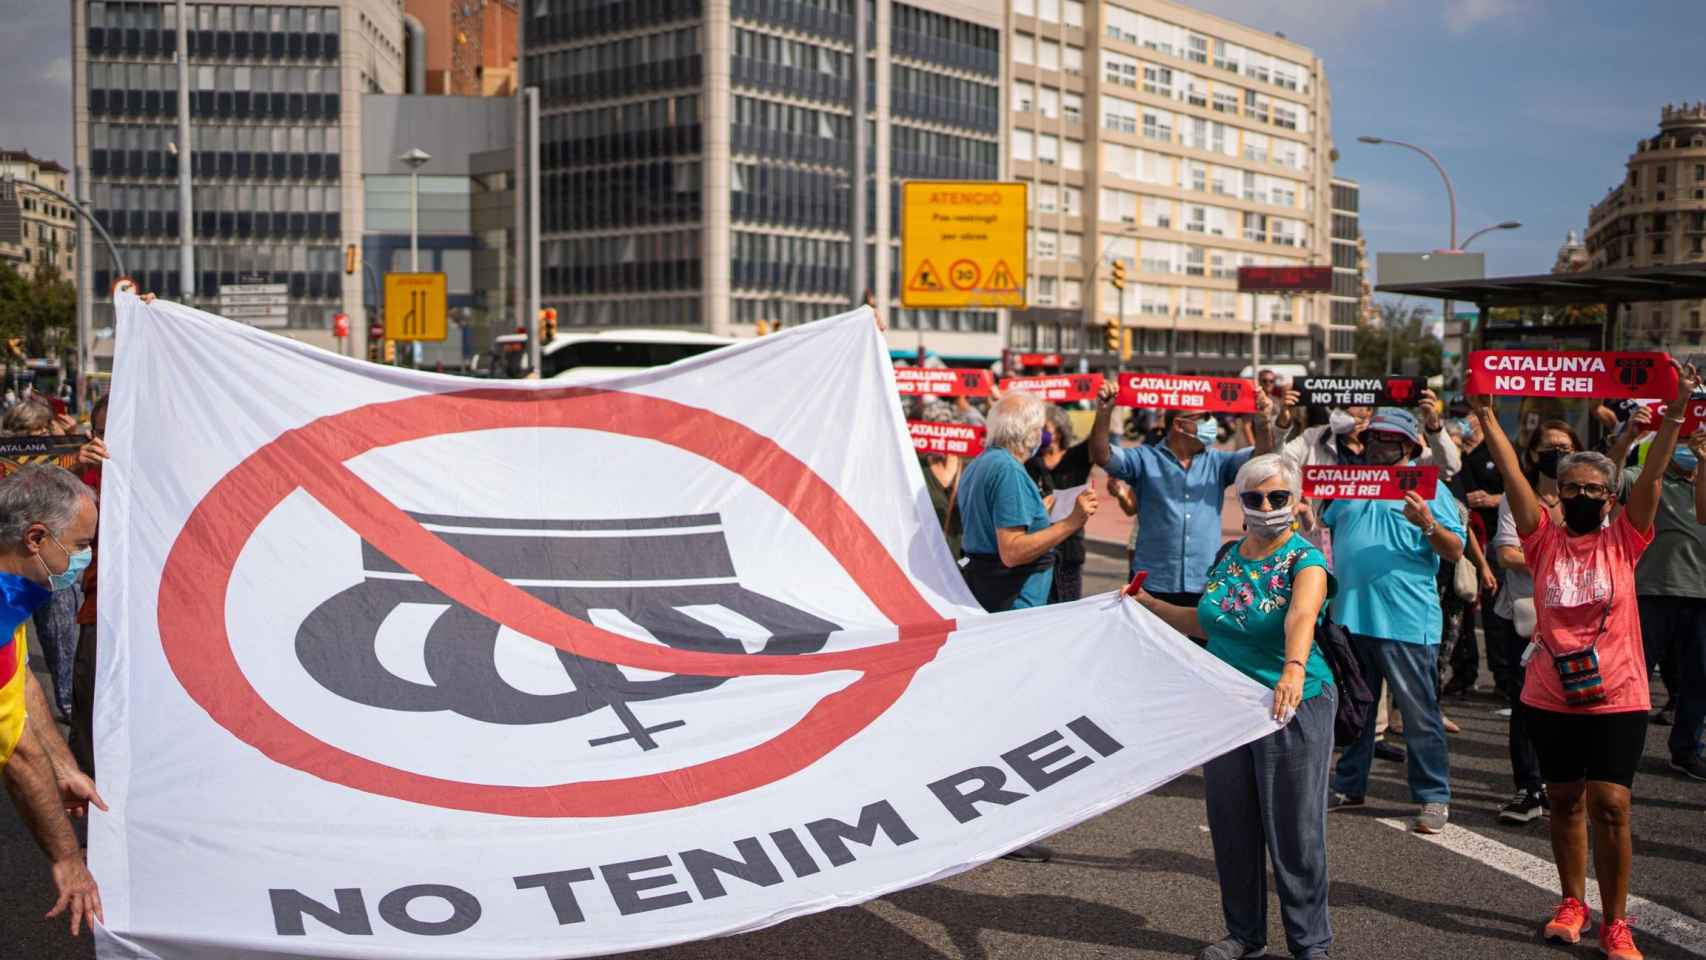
(975, 232)
(415, 307)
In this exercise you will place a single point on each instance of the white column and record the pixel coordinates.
(714, 171)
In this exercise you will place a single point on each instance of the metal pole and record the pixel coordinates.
(1173, 344)
(1255, 336)
(186, 209)
(1119, 350)
(414, 220)
(856, 173)
(534, 347)
(518, 182)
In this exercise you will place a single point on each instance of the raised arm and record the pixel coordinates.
(1638, 423)
(1262, 423)
(1644, 496)
(1100, 451)
(1446, 456)
(1524, 505)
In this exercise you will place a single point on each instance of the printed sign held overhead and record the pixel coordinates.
(1369, 482)
(942, 382)
(1582, 374)
(1062, 388)
(1155, 391)
(977, 229)
(961, 439)
(1359, 391)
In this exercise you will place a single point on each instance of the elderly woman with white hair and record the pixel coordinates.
(1584, 688)
(1008, 541)
(1259, 609)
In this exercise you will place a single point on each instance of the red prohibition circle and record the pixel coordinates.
(954, 274)
(198, 570)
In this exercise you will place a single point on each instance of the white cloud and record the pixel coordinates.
(58, 72)
(1464, 15)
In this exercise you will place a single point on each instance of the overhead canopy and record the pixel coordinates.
(1676, 282)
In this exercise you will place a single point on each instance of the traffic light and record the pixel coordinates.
(547, 324)
(1113, 335)
(352, 259)
(391, 351)
(1125, 345)
(762, 328)
(1119, 275)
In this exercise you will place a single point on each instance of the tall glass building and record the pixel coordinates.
(275, 101)
(696, 155)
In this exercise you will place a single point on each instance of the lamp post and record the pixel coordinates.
(1507, 225)
(415, 159)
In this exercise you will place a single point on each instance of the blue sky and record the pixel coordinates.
(1532, 105)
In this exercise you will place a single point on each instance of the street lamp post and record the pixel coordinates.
(415, 159)
(1462, 335)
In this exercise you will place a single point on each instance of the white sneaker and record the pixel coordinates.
(1432, 818)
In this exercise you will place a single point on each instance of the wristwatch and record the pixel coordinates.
(1428, 530)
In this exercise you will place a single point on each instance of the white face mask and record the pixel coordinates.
(1267, 523)
(1341, 423)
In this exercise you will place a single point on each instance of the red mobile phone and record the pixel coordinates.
(1136, 584)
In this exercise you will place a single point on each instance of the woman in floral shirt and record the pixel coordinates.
(1259, 609)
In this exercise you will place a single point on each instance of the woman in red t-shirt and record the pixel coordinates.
(1585, 686)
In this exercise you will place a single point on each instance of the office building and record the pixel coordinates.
(1352, 296)
(470, 45)
(275, 97)
(1185, 145)
(1657, 216)
(36, 228)
(696, 156)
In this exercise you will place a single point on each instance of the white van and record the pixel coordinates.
(588, 356)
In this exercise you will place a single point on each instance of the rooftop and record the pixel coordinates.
(23, 156)
(1633, 285)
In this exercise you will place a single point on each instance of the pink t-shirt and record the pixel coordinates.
(1574, 578)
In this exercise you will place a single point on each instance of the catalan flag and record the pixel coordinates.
(19, 598)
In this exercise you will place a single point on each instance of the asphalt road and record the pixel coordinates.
(1139, 881)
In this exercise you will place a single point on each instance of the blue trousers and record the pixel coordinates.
(1267, 800)
(1410, 669)
(1675, 627)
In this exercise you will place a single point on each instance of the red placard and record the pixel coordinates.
(943, 382)
(1159, 391)
(956, 438)
(1285, 279)
(1039, 360)
(1570, 373)
(1693, 419)
(1368, 482)
(1058, 387)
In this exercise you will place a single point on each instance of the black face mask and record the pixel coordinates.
(1548, 463)
(1582, 514)
(1382, 454)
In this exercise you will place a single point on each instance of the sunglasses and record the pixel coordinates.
(1275, 499)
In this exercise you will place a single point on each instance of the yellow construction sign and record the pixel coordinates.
(977, 230)
(415, 307)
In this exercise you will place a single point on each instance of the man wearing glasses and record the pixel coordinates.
(1180, 486)
(1386, 557)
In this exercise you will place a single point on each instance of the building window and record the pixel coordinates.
(1660, 174)
(1658, 246)
(1024, 95)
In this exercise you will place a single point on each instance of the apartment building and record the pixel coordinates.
(45, 230)
(1185, 145)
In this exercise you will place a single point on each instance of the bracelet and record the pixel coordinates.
(1677, 420)
(1298, 662)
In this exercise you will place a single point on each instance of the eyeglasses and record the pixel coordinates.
(1593, 491)
(1275, 499)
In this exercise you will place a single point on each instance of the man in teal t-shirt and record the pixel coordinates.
(996, 492)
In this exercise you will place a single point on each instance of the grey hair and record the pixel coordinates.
(1258, 470)
(1061, 423)
(42, 494)
(1588, 458)
(1016, 422)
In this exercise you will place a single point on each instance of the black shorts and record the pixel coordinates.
(1573, 747)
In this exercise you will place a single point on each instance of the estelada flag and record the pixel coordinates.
(1159, 391)
(1368, 482)
(943, 381)
(1058, 387)
(1599, 375)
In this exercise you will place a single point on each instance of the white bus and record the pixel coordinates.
(588, 356)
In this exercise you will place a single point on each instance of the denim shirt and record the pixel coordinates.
(1178, 529)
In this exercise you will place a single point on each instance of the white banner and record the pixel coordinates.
(396, 664)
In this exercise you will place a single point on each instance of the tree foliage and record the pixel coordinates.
(1407, 326)
(41, 309)
(1589, 313)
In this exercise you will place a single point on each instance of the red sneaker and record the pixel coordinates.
(1616, 942)
(1567, 923)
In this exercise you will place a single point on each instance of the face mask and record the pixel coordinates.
(1548, 463)
(1582, 514)
(76, 564)
(1267, 523)
(1341, 423)
(1686, 459)
(1047, 441)
(1208, 431)
(1382, 453)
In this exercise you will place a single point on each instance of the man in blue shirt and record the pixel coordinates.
(1386, 556)
(1008, 540)
(1180, 485)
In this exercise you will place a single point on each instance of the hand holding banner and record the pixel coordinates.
(1167, 392)
(943, 381)
(1580, 374)
(1369, 482)
(1359, 391)
(1057, 388)
(961, 439)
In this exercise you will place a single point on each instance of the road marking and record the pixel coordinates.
(1645, 915)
